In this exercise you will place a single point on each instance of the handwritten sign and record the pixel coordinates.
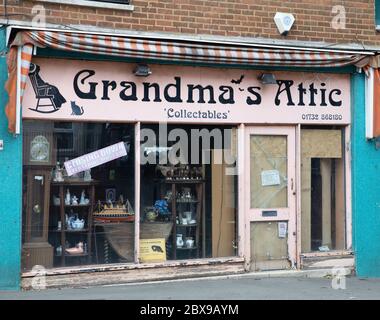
(96, 158)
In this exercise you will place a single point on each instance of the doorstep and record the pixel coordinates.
(337, 259)
(95, 275)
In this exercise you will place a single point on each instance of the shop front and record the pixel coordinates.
(171, 168)
(175, 190)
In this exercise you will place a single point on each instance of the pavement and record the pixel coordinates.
(247, 287)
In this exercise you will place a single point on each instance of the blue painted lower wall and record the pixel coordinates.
(365, 188)
(10, 192)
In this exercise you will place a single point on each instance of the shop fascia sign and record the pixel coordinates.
(110, 92)
(306, 95)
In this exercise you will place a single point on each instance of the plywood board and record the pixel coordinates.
(321, 143)
(306, 205)
(268, 153)
(340, 208)
(223, 210)
(326, 202)
(268, 250)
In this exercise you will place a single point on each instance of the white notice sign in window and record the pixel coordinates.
(270, 178)
(96, 158)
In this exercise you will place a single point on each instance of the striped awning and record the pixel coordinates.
(164, 50)
(187, 51)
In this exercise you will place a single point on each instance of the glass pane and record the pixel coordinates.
(37, 215)
(188, 209)
(91, 213)
(268, 171)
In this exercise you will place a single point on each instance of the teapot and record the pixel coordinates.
(150, 214)
(77, 224)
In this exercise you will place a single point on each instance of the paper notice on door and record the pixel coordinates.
(282, 229)
(270, 178)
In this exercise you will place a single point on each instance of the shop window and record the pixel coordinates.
(377, 13)
(189, 206)
(323, 190)
(69, 220)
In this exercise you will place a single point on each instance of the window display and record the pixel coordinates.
(194, 197)
(82, 217)
(63, 214)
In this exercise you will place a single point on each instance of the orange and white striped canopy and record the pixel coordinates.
(163, 50)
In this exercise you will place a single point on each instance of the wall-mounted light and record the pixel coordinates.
(142, 70)
(267, 78)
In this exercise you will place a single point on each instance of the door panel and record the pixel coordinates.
(268, 171)
(270, 200)
(269, 250)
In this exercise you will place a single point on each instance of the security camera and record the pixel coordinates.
(284, 22)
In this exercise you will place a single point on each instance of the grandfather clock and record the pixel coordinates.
(39, 159)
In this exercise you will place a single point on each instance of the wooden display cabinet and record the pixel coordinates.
(85, 211)
(178, 206)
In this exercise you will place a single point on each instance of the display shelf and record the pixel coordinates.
(178, 206)
(76, 231)
(71, 231)
(86, 211)
(73, 206)
(182, 181)
(74, 183)
(67, 255)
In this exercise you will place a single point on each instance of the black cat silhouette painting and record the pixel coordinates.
(52, 99)
(75, 109)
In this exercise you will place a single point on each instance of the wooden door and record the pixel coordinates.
(270, 197)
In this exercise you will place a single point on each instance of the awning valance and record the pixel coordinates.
(163, 50)
(186, 51)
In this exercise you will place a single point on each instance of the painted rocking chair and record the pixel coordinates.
(44, 91)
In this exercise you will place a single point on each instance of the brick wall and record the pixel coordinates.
(247, 18)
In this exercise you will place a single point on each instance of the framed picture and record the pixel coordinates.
(111, 195)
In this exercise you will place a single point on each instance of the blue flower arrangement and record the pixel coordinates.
(161, 206)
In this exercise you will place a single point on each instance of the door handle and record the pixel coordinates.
(292, 186)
